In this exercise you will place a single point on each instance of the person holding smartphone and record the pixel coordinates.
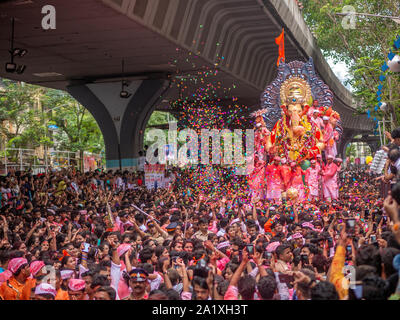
(336, 275)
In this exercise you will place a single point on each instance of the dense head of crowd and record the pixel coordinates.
(103, 236)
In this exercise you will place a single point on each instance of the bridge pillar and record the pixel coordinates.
(374, 144)
(121, 121)
(347, 136)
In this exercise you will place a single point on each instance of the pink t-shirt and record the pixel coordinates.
(221, 263)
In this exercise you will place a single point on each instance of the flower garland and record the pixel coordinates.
(298, 149)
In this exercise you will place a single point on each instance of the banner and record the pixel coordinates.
(154, 173)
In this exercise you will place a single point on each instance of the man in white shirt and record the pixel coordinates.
(394, 158)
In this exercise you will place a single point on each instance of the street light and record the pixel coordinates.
(395, 19)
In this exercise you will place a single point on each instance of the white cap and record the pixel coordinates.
(66, 274)
(316, 111)
(329, 157)
(325, 118)
(45, 288)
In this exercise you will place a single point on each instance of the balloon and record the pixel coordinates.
(292, 193)
(394, 64)
(305, 164)
(368, 160)
(383, 107)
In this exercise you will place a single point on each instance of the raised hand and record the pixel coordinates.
(391, 207)
(245, 256)
(166, 265)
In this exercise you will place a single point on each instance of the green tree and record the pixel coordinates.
(158, 118)
(364, 49)
(23, 124)
(78, 130)
(27, 110)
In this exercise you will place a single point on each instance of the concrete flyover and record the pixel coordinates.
(155, 38)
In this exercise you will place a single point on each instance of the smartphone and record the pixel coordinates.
(330, 242)
(86, 247)
(373, 238)
(373, 216)
(348, 249)
(201, 264)
(285, 278)
(250, 248)
(366, 214)
(350, 226)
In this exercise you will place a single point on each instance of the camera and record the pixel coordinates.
(201, 269)
(350, 226)
(250, 248)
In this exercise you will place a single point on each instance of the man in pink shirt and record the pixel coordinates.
(296, 180)
(285, 169)
(274, 180)
(312, 180)
(317, 119)
(329, 138)
(330, 186)
(338, 162)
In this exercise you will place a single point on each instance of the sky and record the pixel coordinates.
(341, 71)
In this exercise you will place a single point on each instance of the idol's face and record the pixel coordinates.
(294, 109)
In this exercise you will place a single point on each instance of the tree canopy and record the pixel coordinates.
(363, 48)
(27, 111)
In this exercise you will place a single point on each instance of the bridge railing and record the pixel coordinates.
(20, 159)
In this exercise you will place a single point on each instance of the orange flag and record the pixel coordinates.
(280, 41)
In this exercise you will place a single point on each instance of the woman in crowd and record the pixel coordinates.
(104, 236)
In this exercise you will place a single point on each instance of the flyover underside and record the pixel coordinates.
(158, 38)
(243, 33)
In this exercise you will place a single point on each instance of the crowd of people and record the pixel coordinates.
(68, 235)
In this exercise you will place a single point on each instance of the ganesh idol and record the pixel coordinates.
(295, 137)
(292, 131)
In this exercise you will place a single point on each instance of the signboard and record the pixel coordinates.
(153, 173)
